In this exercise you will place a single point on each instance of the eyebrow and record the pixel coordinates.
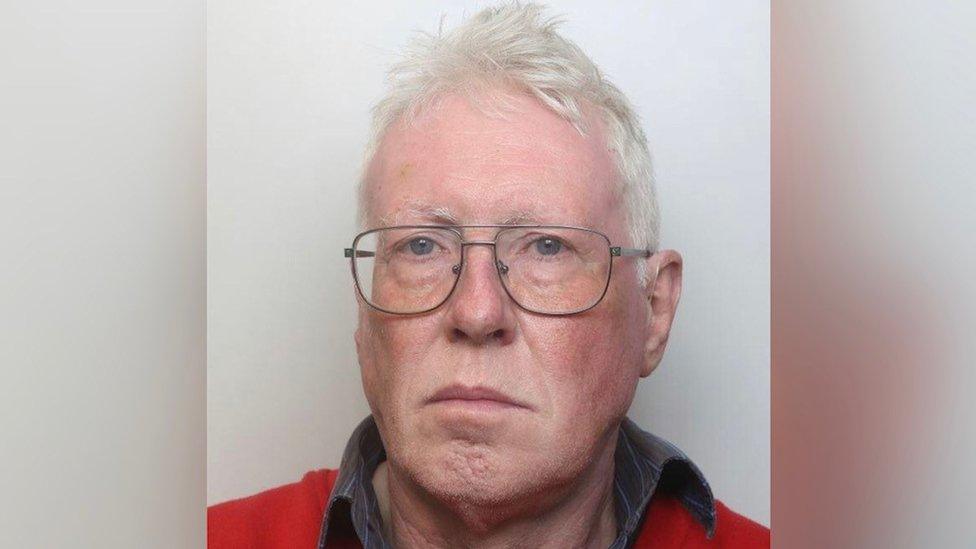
(441, 215)
(416, 209)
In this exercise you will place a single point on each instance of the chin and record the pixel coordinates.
(460, 472)
(486, 482)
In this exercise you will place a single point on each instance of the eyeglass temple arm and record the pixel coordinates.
(349, 252)
(617, 251)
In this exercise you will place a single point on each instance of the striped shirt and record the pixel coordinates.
(643, 465)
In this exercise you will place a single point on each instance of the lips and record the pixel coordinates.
(461, 394)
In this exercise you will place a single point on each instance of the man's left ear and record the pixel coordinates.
(662, 293)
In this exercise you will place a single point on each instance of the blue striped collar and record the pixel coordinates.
(644, 464)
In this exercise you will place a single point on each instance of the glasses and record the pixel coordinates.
(545, 269)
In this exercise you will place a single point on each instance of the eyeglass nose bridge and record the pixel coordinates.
(499, 265)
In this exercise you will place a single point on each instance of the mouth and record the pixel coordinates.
(476, 398)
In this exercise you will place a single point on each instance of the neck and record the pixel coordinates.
(580, 514)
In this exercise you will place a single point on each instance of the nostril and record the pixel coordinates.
(458, 335)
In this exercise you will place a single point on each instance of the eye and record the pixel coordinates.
(421, 246)
(548, 246)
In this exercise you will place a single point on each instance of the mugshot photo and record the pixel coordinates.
(501, 265)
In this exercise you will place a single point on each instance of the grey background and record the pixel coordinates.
(102, 274)
(289, 88)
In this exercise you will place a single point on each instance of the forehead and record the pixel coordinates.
(525, 164)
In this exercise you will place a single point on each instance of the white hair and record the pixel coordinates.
(513, 45)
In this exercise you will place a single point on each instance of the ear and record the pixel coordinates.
(662, 293)
(358, 337)
(363, 328)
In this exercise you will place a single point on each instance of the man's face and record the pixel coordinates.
(572, 377)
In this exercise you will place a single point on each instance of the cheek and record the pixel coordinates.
(390, 348)
(368, 361)
(595, 360)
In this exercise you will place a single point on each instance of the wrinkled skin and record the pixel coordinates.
(574, 376)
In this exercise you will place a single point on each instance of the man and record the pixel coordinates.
(511, 295)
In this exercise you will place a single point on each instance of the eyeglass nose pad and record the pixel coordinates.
(456, 269)
(502, 268)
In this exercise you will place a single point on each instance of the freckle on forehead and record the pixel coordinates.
(406, 169)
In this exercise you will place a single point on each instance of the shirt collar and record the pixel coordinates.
(644, 465)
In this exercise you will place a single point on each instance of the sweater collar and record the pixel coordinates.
(644, 465)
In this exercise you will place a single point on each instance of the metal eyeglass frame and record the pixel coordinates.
(614, 251)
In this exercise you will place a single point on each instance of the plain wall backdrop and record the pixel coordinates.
(289, 88)
(102, 274)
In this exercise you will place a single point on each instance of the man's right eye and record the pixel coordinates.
(421, 246)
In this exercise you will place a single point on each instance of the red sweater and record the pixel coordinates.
(290, 517)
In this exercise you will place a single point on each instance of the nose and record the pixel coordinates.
(480, 310)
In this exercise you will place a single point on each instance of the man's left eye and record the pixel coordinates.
(548, 246)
